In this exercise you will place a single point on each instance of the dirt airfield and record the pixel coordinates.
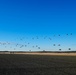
(37, 63)
(43, 53)
(57, 54)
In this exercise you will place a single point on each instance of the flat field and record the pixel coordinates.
(34, 64)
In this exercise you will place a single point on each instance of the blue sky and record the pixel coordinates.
(31, 18)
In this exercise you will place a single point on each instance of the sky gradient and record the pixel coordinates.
(27, 19)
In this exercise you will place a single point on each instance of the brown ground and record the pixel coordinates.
(59, 54)
(38, 64)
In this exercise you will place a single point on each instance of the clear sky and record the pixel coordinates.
(23, 21)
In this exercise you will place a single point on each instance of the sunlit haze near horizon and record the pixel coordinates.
(37, 25)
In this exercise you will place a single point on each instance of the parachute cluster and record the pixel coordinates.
(36, 43)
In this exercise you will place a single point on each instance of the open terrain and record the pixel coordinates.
(55, 54)
(38, 64)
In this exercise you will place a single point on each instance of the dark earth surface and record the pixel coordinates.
(13, 64)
